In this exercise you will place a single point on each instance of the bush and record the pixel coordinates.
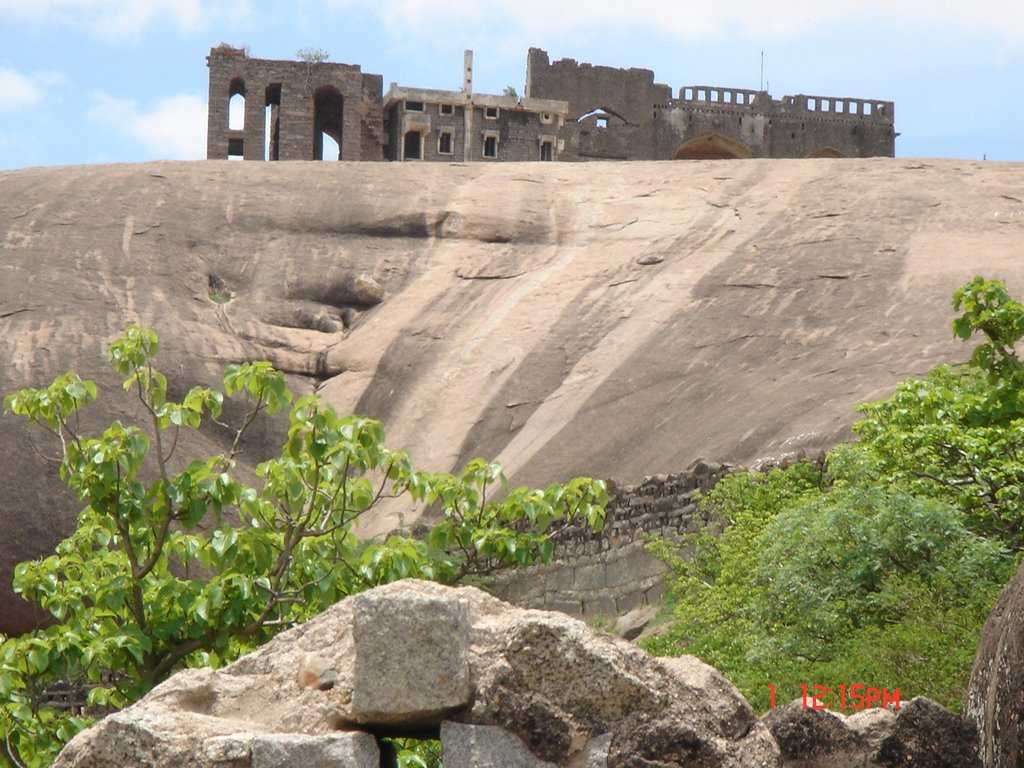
(856, 583)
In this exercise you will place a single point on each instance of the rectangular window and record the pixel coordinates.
(490, 146)
(602, 122)
(444, 143)
(414, 106)
(491, 113)
(866, 109)
(447, 109)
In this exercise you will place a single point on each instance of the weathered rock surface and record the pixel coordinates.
(525, 688)
(921, 734)
(995, 696)
(516, 321)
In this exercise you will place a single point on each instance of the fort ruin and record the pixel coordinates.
(569, 111)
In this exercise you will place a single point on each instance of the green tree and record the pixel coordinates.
(958, 433)
(181, 564)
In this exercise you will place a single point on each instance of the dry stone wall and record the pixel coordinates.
(611, 572)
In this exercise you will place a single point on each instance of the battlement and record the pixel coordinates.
(742, 98)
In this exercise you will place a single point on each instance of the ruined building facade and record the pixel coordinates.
(569, 111)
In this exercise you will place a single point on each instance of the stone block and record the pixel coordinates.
(656, 593)
(560, 578)
(629, 601)
(411, 663)
(485, 746)
(590, 577)
(335, 750)
(632, 565)
(566, 605)
(349, 749)
(599, 605)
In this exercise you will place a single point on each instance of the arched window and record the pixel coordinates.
(236, 105)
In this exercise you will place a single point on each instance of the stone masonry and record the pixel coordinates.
(611, 572)
(568, 111)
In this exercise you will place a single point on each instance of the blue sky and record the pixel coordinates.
(93, 81)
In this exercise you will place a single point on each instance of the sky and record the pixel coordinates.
(98, 81)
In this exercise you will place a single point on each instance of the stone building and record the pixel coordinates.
(427, 124)
(569, 111)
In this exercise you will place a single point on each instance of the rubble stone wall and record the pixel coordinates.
(611, 572)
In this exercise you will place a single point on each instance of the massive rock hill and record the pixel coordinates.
(609, 319)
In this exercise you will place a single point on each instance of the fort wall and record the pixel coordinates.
(611, 572)
(352, 108)
(623, 114)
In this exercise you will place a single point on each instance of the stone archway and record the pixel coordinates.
(826, 152)
(712, 146)
(328, 119)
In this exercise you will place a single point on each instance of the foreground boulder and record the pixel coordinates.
(995, 696)
(921, 733)
(501, 686)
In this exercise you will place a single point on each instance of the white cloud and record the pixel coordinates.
(19, 90)
(173, 129)
(688, 19)
(117, 19)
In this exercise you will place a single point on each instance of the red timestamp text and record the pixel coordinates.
(842, 697)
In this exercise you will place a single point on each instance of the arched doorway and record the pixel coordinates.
(712, 146)
(328, 120)
(826, 152)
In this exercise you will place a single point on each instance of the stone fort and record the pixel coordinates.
(568, 111)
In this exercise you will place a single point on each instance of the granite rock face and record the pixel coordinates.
(502, 685)
(995, 696)
(781, 300)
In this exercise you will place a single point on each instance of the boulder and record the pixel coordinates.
(927, 735)
(995, 696)
(809, 738)
(158, 736)
(921, 733)
(500, 684)
(366, 291)
(633, 624)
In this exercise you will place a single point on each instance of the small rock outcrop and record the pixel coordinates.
(921, 734)
(501, 686)
(995, 696)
